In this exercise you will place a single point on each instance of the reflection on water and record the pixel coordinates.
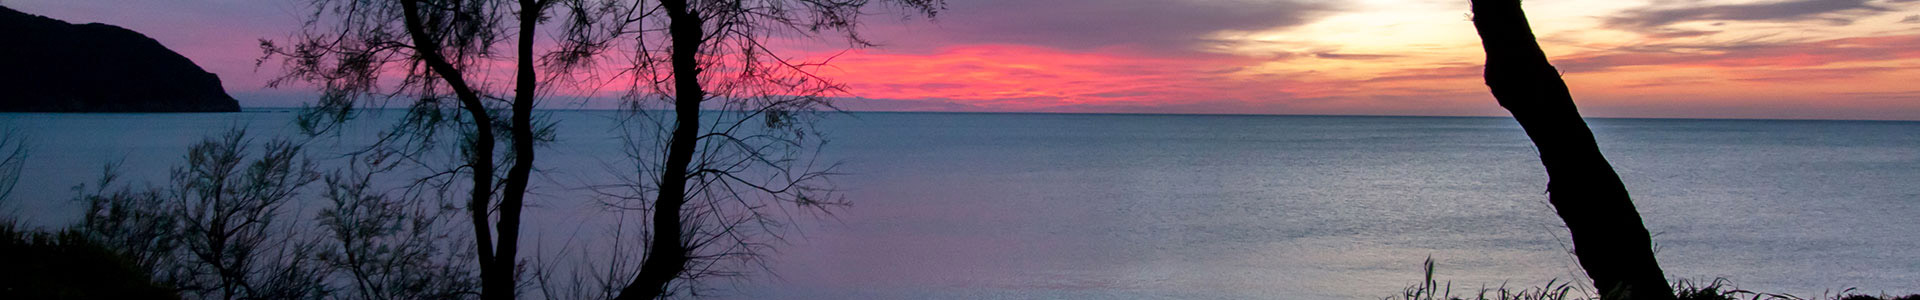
(1025, 206)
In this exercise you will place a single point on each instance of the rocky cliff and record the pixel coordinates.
(49, 65)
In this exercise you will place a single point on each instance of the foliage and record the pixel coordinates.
(721, 127)
(222, 229)
(139, 224)
(391, 247)
(1717, 289)
(439, 55)
(229, 218)
(68, 265)
(442, 51)
(216, 231)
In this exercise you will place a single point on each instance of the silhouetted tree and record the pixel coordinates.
(444, 47)
(66, 264)
(1608, 237)
(443, 50)
(140, 224)
(218, 230)
(736, 146)
(230, 221)
(391, 247)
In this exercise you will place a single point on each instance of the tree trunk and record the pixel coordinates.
(497, 278)
(481, 159)
(1608, 236)
(666, 256)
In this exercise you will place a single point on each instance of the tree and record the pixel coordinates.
(734, 147)
(138, 224)
(442, 48)
(390, 247)
(227, 208)
(217, 230)
(1608, 237)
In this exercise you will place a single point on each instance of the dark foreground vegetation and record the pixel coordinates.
(1718, 289)
(221, 227)
(69, 265)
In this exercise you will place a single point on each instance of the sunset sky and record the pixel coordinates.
(1826, 59)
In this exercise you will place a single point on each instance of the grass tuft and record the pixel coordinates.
(1431, 289)
(1718, 289)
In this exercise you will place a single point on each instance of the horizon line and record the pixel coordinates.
(245, 109)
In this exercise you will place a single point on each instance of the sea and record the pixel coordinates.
(1131, 206)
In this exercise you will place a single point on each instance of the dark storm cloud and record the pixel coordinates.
(1653, 18)
(1153, 26)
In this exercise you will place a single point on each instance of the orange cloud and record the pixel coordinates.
(1805, 54)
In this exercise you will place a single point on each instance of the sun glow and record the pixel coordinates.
(1423, 57)
(1708, 58)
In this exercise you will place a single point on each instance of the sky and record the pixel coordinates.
(1796, 59)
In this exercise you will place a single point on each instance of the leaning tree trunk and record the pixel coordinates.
(1608, 236)
(493, 285)
(667, 257)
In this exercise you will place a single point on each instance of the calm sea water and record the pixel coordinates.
(1051, 206)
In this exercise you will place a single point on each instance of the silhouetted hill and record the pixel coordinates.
(48, 65)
